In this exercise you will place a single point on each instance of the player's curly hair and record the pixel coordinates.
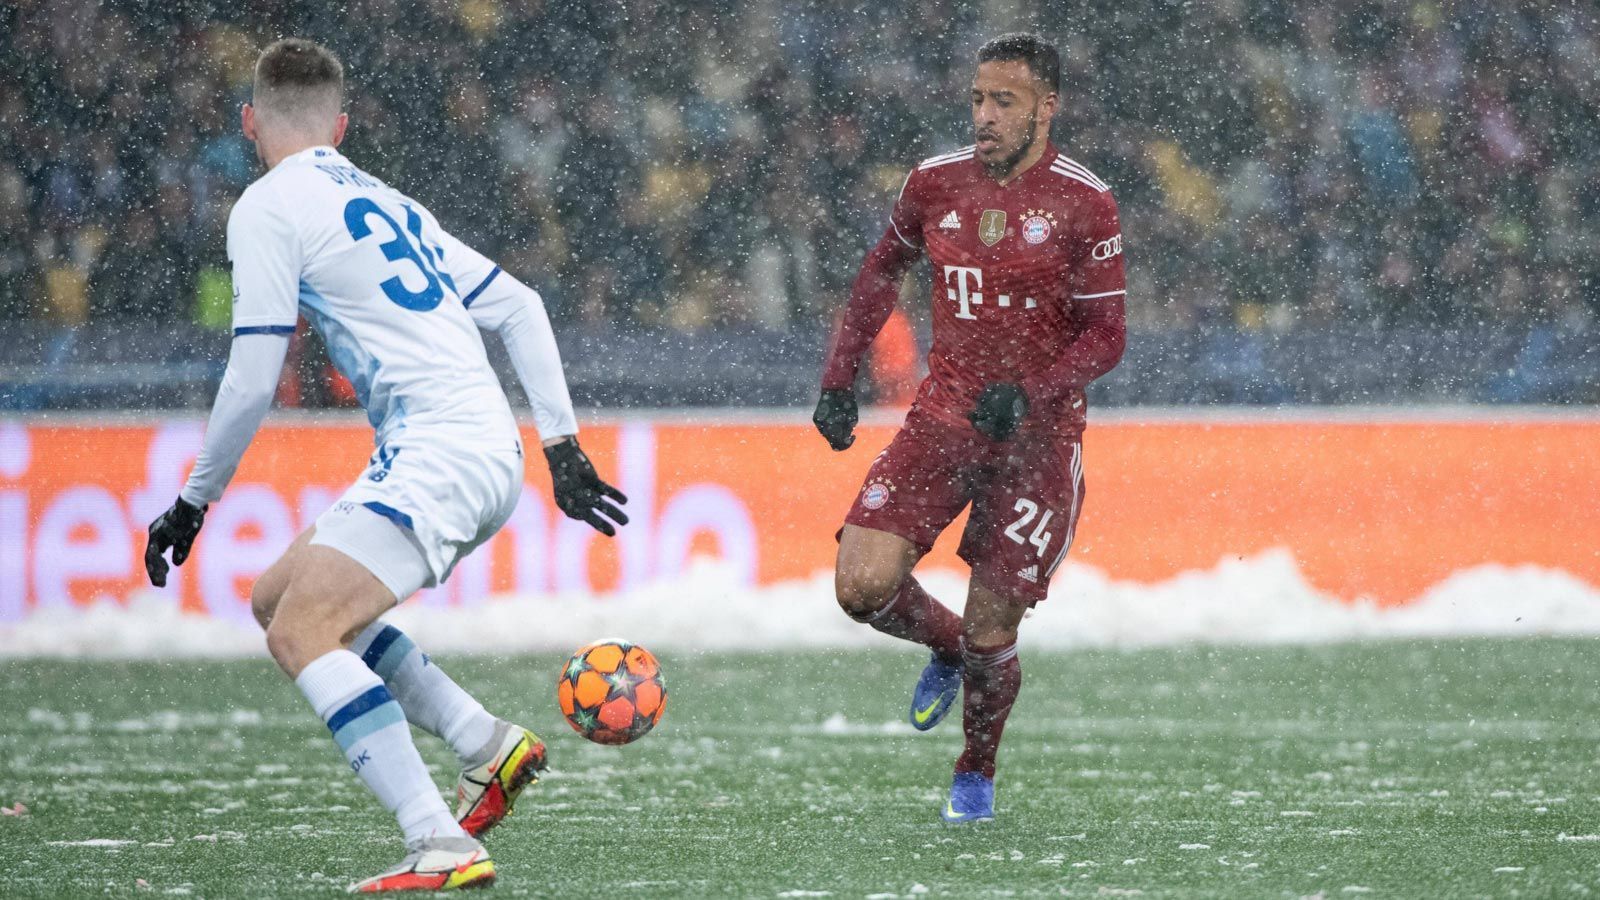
(1041, 56)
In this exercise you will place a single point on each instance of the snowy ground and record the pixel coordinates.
(1253, 600)
(1395, 769)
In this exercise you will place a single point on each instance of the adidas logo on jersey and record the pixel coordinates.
(1030, 574)
(950, 221)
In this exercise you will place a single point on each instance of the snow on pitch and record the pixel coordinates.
(1262, 599)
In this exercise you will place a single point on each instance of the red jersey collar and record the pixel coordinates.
(1050, 153)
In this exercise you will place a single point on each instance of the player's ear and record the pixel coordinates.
(339, 126)
(247, 122)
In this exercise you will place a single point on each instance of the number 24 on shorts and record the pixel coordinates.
(1040, 538)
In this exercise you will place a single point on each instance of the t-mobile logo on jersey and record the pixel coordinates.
(966, 291)
(963, 293)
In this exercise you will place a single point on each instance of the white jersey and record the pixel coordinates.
(399, 303)
(381, 281)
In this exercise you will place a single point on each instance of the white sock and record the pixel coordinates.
(371, 729)
(430, 698)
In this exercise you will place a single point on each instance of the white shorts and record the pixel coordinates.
(423, 504)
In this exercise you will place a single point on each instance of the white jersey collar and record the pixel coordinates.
(322, 151)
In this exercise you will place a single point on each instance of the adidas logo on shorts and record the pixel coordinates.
(950, 221)
(1030, 574)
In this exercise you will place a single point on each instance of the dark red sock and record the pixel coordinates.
(915, 616)
(990, 681)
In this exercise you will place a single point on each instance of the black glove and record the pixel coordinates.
(174, 529)
(1001, 408)
(836, 417)
(579, 491)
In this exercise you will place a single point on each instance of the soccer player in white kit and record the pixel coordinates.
(399, 303)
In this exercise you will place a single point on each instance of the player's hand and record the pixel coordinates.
(173, 530)
(1000, 411)
(836, 417)
(579, 491)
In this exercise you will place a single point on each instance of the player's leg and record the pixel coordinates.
(429, 698)
(874, 585)
(914, 489)
(432, 700)
(467, 495)
(992, 678)
(498, 759)
(330, 595)
(1022, 523)
(268, 589)
(869, 561)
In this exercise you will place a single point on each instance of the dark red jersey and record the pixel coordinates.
(1028, 285)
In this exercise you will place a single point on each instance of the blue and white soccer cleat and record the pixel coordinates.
(936, 690)
(971, 799)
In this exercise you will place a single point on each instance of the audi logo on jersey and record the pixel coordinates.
(1107, 248)
(964, 285)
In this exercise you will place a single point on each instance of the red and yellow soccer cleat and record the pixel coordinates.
(486, 793)
(435, 864)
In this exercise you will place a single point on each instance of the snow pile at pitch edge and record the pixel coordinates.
(1254, 600)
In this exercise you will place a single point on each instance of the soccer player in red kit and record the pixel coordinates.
(1028, 294)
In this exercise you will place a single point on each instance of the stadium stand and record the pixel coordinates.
(1325, 202)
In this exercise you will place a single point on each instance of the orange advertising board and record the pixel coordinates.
(1376, 509)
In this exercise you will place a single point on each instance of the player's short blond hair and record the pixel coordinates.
(298, 82)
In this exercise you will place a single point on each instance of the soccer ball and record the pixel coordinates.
(612, 692)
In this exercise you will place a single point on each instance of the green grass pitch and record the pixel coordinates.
(1463, 768)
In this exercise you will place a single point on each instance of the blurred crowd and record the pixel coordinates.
(705, 163)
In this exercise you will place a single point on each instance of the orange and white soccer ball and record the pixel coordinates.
(611, 691)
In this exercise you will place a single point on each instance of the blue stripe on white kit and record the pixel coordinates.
(361, 716)
(387, 651)
(263, 329)
(467, 300)
(392, 514)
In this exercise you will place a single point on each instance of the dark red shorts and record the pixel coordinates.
(1026, 494)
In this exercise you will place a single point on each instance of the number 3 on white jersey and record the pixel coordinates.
(1040, 538)
(398, 248)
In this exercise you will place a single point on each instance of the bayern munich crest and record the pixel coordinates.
(876, 495)
(1037, 225)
